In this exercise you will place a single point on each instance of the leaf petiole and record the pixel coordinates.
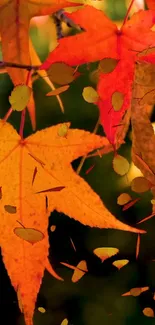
(127, 14)
(24, 111)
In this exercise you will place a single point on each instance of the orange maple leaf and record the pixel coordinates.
(15, 19)
(103, 39)
(36, 177)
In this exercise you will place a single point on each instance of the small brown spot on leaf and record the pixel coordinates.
(117, 100)
(29, 234)
(108, 65)
(10, 208)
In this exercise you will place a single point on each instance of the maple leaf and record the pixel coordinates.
(36, 177)
(150, 4)
(15, 19)
(143, 139)
(104, 40)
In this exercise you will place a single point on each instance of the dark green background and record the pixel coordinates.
(96, 298)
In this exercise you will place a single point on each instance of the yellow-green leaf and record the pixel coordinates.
(62, 131)
(42, 310)
(90, 95)
(120, 165)
(20, 97)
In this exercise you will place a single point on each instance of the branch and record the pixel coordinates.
(4, 64)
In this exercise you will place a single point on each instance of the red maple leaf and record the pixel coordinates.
(102, 39)
(150, 4)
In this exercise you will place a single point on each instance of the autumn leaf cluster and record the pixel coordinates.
(39, 166)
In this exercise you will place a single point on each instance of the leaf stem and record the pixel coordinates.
(22, 122)
(24, 110)
(7, 114)
(127, 14)
(20, 223)
(4, 64)
(28, 78)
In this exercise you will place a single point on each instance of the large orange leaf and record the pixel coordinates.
(15, 19)
(103, 39)
(36, 177)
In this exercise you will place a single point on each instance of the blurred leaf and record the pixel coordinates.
(20, 97)
(64, 322)
(80, 271)
(120, 263)
(42, 310)
(90, 95)
(140, 185)
(120, 165)
(148, 312)
(135, 292)
(105, 252)
(123, 198)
